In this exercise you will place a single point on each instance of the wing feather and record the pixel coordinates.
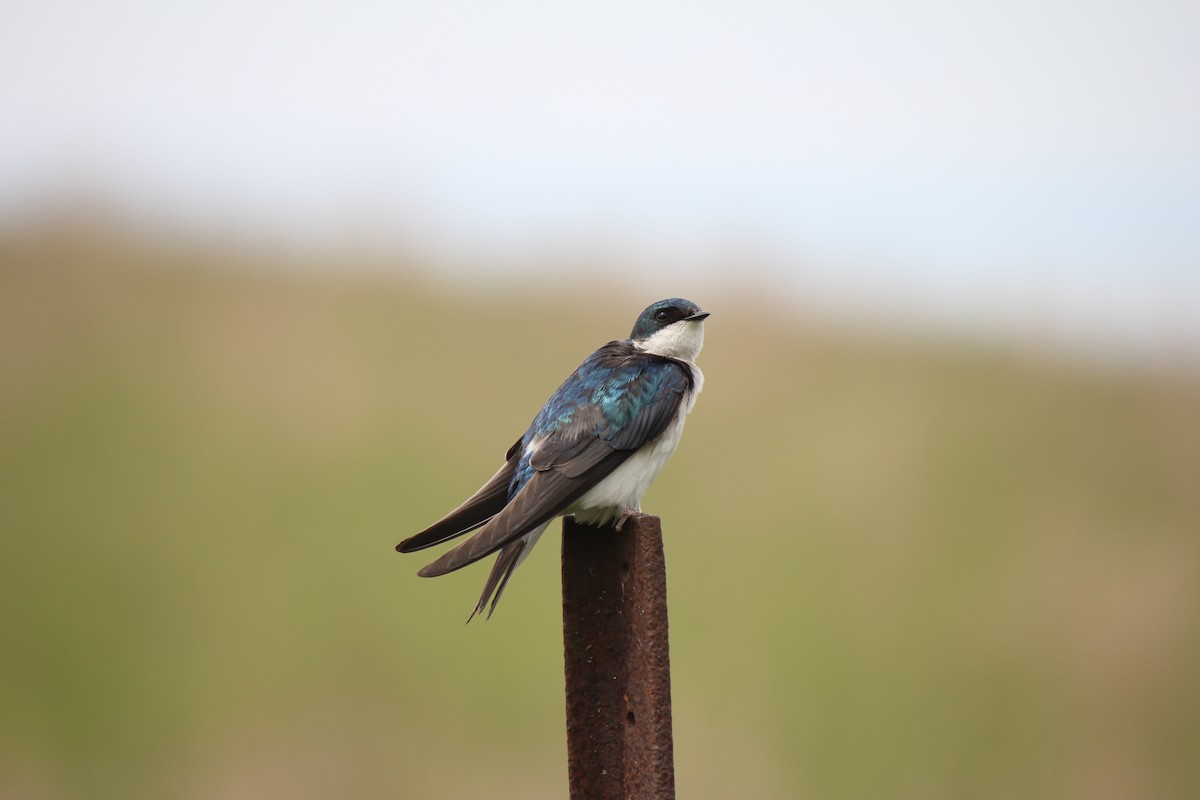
(542, 498)
(474, 511)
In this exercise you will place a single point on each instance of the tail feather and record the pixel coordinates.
(511, 556)
(502, 570)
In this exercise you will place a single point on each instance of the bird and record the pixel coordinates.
(591, 452)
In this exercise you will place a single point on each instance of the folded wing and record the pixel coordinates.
(474, 511)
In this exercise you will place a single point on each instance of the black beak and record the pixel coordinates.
(699, 315)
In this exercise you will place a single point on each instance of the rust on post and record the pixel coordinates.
(618, 668)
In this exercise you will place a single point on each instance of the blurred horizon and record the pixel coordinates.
(1103, 328)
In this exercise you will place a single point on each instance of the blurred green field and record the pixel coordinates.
(899, 568)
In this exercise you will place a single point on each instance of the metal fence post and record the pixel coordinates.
(618, 668)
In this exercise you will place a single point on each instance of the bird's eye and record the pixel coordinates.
(662, 315)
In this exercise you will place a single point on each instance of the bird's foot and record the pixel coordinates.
(626, 516)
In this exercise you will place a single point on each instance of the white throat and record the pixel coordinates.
(681, 340)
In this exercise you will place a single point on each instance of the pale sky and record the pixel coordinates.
(937, 154)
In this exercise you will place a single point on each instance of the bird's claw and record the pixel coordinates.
(625, 516)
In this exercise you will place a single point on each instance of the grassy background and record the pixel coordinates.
(900, 568)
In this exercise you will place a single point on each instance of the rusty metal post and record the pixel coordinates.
(618, 667)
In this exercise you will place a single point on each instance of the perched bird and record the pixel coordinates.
(592, 451)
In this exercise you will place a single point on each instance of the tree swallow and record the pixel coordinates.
(592, 451)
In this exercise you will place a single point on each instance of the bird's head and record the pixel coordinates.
(672, 328)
